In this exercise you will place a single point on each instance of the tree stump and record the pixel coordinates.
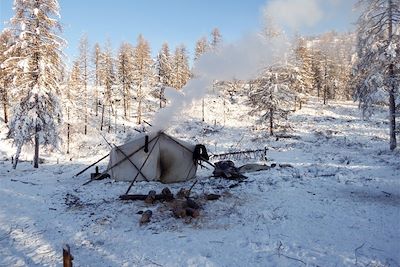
(151, 197)
(67, 257)
(146, 216)
(168, 196)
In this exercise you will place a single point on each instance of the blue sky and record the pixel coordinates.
(176, 21)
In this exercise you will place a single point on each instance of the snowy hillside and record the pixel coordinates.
(332, 200)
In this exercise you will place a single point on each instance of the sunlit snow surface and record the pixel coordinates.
(338, 206)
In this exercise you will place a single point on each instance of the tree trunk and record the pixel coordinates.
(68, 131)
(85, 106)
(68, 134)
(36, 156)
(5, 111)
(202, 110)
(102, 117)
(325, 85)
(139, 120)
(392, 117)
(109, 118)
(17, 156)
(271, 121)
(5, 102)
(161, 96)
(96, 98)
(392, 77)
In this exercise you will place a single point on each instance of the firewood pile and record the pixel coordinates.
(181, 205)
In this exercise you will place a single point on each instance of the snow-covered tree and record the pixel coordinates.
(377, 71)
(71, 96)
(108, 76)
(271, 97)
(5, 79)
(84, 71)
(163, 71)
(304, 64)
(316, 72)
(200, 48)
(142, 73)
(216, 39)
(125, 70)
(36, 70)
(97, 60)
(180, 69)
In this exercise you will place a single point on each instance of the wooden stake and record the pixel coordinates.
(67, 257)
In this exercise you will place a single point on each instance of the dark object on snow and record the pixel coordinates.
(183, 193)
(95, 174)
(212, 196)
(227, 169)
(146, 217)
(168, 196)
(253, 168)
(151, 197)
(99, 176)
(192, 204)
(67, 257)
(200, 153)
(91, 165)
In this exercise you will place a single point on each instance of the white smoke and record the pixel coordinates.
(240, 60)
(294, 13)
(298, 15)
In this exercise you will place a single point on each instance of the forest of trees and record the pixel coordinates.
(40, 95)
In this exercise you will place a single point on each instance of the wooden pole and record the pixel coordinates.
(67, 257)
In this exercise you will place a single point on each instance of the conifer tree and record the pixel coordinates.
(271, 96)
(303, 60)
(142, 74)
(125, 75)
(200, 48)
(71, 97)
(163, 71)
(108, 76)
(84, 66)
(181, 72)
(5, 79)
(216, 39)
(37, 71)
(378, 66)
(97, 60)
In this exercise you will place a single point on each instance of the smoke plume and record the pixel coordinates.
(240, 60)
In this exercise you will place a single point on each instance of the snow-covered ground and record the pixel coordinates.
(338, 205)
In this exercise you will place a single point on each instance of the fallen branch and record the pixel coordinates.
(291, 258)
(356, 250)
(141, 197)
(30, 183)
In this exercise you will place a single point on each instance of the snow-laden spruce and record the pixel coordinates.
(5, 79)
(377, 71)
(35, 62)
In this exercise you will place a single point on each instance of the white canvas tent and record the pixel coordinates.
(160, 158)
